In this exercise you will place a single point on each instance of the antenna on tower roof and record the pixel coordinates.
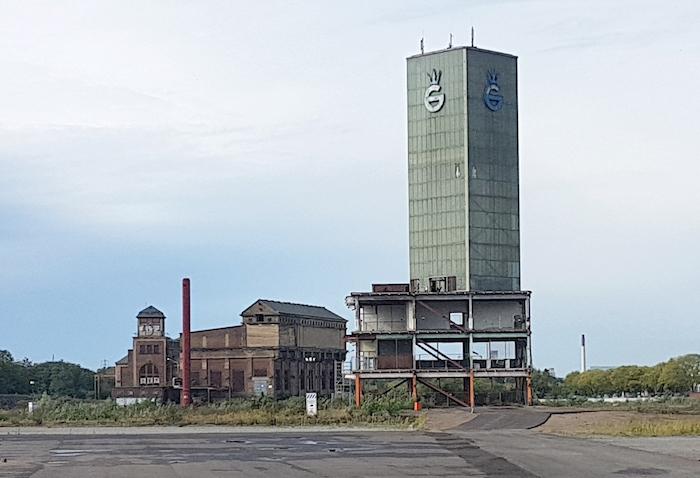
(421, 46)
(450, 45)
(472, 37)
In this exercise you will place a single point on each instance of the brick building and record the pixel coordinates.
(281, 349)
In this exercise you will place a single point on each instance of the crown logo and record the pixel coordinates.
(435, 77)
(492, 77)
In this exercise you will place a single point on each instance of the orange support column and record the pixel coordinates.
(471, 389)
(529, 389)
(414, 393)
(358, 391)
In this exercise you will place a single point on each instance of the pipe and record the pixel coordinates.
(186, 397)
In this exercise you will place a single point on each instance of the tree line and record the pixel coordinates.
(677, 375)
(53, 378)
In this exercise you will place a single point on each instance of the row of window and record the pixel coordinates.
(259, 318)
(149, 349)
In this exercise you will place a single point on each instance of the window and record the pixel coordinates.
(156, 349)
(259, 318)
(148, 375)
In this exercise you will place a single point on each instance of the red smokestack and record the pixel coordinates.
(185, 398)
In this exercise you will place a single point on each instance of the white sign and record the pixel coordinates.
(433, 98)
(311, 408)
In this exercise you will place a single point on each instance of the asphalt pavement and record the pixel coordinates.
(502, 418)
(493, 446)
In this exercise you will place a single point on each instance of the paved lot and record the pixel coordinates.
(502, 418)
(504, 453)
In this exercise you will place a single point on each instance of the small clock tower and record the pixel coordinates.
(150, 367)
(151, 323)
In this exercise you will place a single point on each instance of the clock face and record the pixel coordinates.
(148, 330)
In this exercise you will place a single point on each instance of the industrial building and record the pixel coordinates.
(461, 314)
(281, 349)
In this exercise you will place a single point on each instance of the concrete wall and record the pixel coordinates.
(219, 338)
(464, 150)
(321, 337)
(437, 170)
(434, 315)
(383, 317)
(492, 140)
(497, 314)
(262, 335)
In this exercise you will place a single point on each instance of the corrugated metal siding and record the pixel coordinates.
(436, 168)
(494, 229)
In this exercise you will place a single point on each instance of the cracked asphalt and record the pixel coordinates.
(492, 446)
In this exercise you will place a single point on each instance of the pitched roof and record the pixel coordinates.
(299, 310)
(150, 311)
(123, 361)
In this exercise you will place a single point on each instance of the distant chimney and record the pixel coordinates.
(583, 353)
(186, 397)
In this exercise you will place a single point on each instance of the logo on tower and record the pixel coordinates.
(492, 97)
(434, 99)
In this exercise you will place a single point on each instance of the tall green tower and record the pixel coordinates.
(464, 219)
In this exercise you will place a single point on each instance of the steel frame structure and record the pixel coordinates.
(422, 322)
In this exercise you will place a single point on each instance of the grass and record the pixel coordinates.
(649, 428)
(662, 406)
(249, 412)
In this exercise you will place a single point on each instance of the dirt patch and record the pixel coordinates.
(623, 423)
(440, 419)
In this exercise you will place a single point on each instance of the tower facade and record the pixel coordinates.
(464, 221)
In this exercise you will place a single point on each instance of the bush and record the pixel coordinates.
(235, 412)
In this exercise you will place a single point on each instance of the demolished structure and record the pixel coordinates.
(462, 315)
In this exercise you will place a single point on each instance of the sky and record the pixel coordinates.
(259, 148)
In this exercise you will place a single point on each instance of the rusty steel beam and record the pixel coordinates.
(472, 382)
(436, 351)
(414, 389)
(448, 395)
(395, 386)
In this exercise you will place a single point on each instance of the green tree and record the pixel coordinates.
(650, 378)
(571, 385)
(62, 378)
(626, 379)
(6, 356)
(546, 385)
(673, 377)
(13, 378)
(691, 369)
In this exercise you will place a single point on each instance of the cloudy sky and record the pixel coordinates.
(260, 149)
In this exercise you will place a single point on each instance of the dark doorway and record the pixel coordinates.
(237, 381)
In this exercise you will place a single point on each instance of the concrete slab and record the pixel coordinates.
(504, 418)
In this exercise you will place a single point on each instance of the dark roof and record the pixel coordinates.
(299, 310)
(123, 361)
(151, 311)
